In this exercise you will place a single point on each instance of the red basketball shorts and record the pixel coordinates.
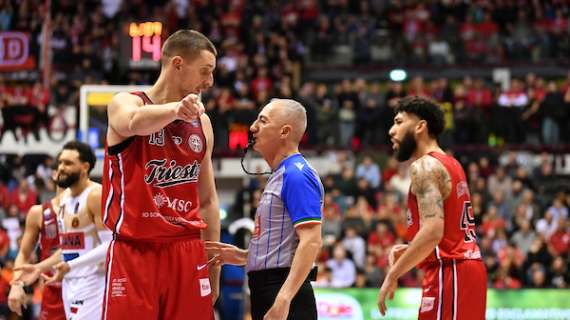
(157, 280)
(454, 290)
(52, 304)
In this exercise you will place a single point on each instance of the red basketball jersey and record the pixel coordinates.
(150, 183)
(459, 239)
(49, 233)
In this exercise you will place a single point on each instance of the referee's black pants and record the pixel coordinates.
(265, 285)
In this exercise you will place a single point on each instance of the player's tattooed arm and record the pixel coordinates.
(431, 184)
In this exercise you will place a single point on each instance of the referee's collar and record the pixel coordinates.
(291, 156)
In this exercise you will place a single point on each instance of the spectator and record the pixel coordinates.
(23, 197)
(370, 171)
(559, 241)
(501, 182)
(12, 226)
(401, 182)
(342, 269)
(524, 237)
(354, 244)
(547, 225)
(559, 277)
(554, 114)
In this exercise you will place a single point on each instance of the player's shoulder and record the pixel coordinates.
(36, 209)
(427, 171)
(95, 189)
(35, 214)
(428, 167)
(122, 98)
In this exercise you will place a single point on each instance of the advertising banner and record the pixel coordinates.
(15, 51)
(360, 304)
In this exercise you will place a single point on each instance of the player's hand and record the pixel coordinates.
(226, 253)
(30, 273)
(279, 310)
(214, 275)
(17, 298)
(61, 269)
(189, 108)
(387, 290)
(395, 253)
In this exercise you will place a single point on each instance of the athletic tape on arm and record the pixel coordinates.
(98, 254)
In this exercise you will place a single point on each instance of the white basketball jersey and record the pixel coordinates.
(78, 234)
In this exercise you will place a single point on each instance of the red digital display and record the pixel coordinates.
(146, 44)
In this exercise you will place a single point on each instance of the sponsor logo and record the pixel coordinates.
(427, 304)
(205, 287)
(14, 48)
(472, 254)
(338, 306)
(299, 165)
(462, 188)
(195, 143)
(180, 205)
(77, 302)
(257, 228)
(72, 240)
(160, 174)
(118, 287)
(75, 222)
(171, 219)
(177, 140)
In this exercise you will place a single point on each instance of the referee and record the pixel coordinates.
(287, 235)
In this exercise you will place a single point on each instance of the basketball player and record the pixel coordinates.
(159, 192)
(84, 239)
(287, 235)
(441, 227)
(41, 223)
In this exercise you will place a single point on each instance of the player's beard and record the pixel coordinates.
(69, 180)
(407, 147)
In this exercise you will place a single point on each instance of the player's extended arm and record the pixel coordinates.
(99, 253)
(431, 184)
(17, 295)
(209, 205)
(310, 243)
(30, 238)
(129, 117)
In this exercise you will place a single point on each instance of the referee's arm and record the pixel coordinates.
(309, 246)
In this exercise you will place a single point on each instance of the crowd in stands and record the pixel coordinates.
(255, 66)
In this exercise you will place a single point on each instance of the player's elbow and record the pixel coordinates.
(434, 230)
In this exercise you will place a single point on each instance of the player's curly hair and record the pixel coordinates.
(426, 109)
(85, 151)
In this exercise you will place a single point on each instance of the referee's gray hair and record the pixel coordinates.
(293, 110)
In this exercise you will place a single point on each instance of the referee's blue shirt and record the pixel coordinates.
(293, 196)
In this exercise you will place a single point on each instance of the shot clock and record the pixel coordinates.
(141, 44)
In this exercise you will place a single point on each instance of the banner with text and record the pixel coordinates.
(360, 304)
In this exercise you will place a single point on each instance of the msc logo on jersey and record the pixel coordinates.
(195, 143)
(409, 218)
(180, 205)
(161, 174)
